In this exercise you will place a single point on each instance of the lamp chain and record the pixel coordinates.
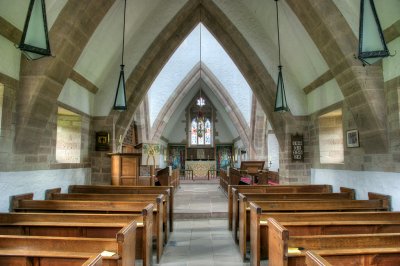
(277, 25)
(123, 36)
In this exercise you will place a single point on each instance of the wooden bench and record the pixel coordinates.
(348, 249)
(82, 225)
(223, 180)
(54, 194)
(273, 189)
(44, 250)
(21, 203)
(106, 189)
(320, 223)
(166, 179)
(313, 259)
(94, 261)
(345, 193)
(377, 202)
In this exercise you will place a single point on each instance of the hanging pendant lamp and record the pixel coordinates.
(34, 42)
(120, 96)
(372, 45)
(280, 99)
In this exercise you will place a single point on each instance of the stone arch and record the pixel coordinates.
(245, 58)
(217, 88)
(362, 87)
(41, 81)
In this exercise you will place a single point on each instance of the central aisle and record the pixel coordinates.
(200, 236)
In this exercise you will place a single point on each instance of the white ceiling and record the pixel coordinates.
(255, 19)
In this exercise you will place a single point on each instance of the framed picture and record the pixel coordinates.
(352, 138)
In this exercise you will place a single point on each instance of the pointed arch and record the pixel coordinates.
(217, 88)
(362, 87)
(230, 38)
(41, 81)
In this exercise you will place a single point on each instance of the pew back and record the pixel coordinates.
(317, 223)
(346, 193)
(273, 189)
(280, 244)
(107, 189)
(123, 245)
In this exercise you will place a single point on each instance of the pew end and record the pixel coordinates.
(386, 199)
(48, 194)
(255, 216)
(313, 259)
(278, 237)
(351, 191)
(147, 255)
(126, 239)
(14, 200)
(94, 261)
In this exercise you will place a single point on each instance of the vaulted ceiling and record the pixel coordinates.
(86, 39)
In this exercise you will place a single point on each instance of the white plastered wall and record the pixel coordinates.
(363, 182)
(14, 183)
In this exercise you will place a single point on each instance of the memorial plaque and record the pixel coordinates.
(102, 141)
(297, 147)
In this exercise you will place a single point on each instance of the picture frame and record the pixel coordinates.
(352, 139)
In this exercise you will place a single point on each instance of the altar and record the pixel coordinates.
(200, 168)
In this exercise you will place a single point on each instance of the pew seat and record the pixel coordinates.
(20, 203)
(377, 202)
(44, 250)
(55, 194)
(272, 189)
(349, 249)
(168, 191)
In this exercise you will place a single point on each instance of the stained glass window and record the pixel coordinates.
(200, 131)
(194, 131)
(200, 123)
(207, 133)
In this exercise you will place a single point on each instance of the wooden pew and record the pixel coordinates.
(166, 179)
(94, 261)
(44, 250)
(348, 249)
(377, 202)
(83, 225)
(20, 203)
(223, 180)
(345, 193)
(54, 194)
(320, 223)
(273, 189)
(107, 189)
(313, 259)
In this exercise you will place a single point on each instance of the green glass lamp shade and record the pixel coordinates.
(372, 45)
(35, 39)
(280, 99)
(120, 96)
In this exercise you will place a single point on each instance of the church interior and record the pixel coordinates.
(205, 100)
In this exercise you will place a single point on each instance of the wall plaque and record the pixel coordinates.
(102, 141)
(297, 147)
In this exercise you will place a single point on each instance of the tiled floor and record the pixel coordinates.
(198, 238)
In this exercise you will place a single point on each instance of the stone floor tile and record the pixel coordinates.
(200, 240)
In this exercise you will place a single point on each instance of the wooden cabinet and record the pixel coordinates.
(125, 169)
